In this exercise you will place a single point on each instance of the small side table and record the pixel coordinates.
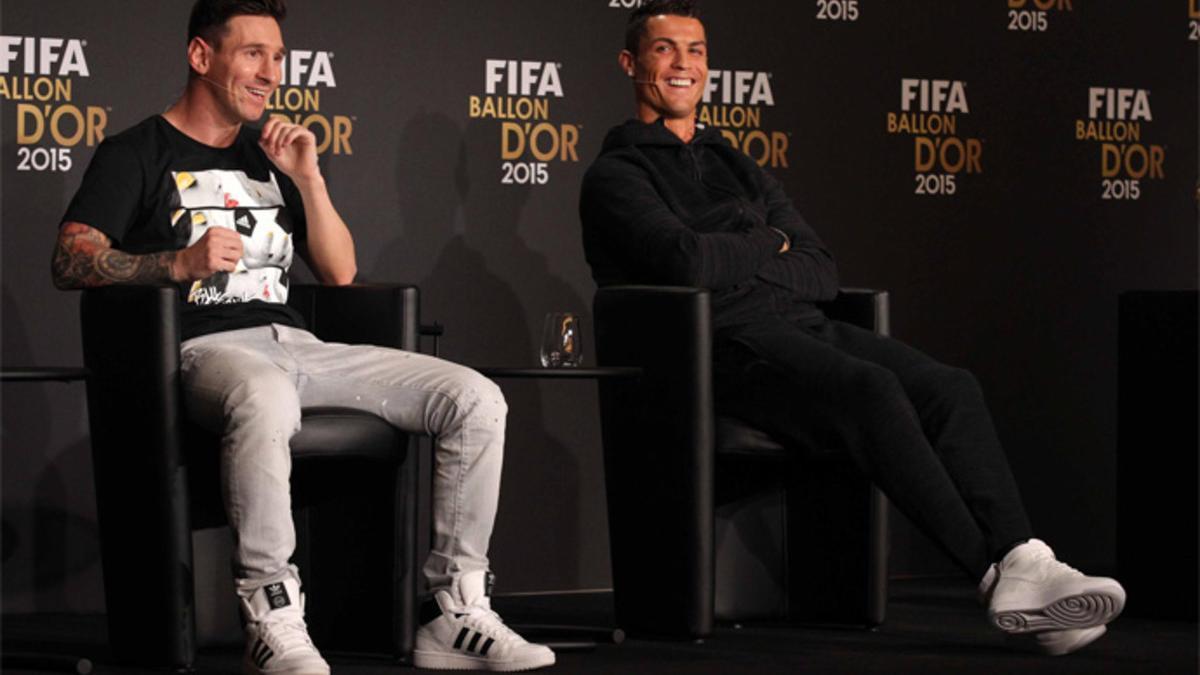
(558, 373)
(566, 637)
(49, 374)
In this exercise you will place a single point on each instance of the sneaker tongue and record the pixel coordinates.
(274, 596)
(987, 583)
(474, 588)
(1031, 550)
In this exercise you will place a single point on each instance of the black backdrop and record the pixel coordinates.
(1014, 275)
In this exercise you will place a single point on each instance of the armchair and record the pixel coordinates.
(671, 462)
(354, 479)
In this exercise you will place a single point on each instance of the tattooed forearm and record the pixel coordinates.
(121, 268)
(84, 257)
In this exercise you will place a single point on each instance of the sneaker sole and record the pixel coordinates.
(442, 661)
(1083, 610)
(248, 668)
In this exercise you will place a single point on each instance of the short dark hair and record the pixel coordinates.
(635, 30)
(209, 17)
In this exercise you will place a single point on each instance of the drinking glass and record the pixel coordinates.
(562, 340)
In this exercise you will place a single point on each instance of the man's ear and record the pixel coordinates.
(199, 55)
(627, 61)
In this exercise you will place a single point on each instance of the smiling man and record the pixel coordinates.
(197, 198)
(672, 203)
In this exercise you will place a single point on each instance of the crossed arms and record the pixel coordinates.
(628, 223)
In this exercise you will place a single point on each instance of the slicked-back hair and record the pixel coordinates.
(635, 30)
(209, 20)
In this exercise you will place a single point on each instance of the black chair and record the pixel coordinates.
(354, 481)
(670, 463)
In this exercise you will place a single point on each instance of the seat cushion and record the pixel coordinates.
(327, 432)
(736, 438)
(331, 446)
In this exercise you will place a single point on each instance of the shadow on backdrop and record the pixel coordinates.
(44, 543)
(479, 279)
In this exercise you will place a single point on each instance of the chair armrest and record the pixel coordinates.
(386, 315)
(864, 307)
(658, 450)
(131, 348)
(667, 331)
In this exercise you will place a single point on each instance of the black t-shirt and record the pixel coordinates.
(153, 188)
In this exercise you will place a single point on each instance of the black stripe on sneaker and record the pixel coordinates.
(474, 641)
(462, 635)
(262, 654)
(486, 646)
(429, 611)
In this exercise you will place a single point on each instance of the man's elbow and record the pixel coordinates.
(341, 277)
(64, 283)
(60, 271)
(682, 265)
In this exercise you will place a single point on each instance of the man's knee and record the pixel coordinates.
(940, 382)
(482, 397)
(467, 398)
(872, 387)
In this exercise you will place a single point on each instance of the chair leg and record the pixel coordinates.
(349, 579)
(836, 534)
(361, 573)
(148, 580)
(408, 580)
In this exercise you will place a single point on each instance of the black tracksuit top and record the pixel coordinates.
(656, 210)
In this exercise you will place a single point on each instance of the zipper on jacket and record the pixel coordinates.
(691, 155)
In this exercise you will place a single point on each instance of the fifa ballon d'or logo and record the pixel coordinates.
(306, 74)
(39, 75)
(733, 104)
(1033, 16)
(930, 111)
(519, 95)
(1117, 120)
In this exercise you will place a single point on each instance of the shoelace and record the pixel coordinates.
(487, 620)
(286, 633)
(1064, 566)
(1046, 555)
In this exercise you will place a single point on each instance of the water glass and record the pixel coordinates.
(562, 340)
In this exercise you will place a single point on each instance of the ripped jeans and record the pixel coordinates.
(249, 385)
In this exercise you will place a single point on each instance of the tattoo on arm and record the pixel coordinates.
(84, 257)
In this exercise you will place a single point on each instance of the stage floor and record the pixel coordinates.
(933, 626)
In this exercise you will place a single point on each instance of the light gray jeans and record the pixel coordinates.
(249, 385)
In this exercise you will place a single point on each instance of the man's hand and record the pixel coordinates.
(218, 250)
(787, 241)
(292, 148)
(329, 248)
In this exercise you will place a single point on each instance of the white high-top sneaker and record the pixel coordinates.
(1034, 593)
(277, 641)
(1051, 642)
(468, 635)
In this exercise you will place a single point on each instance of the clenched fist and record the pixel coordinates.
(218, 250)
